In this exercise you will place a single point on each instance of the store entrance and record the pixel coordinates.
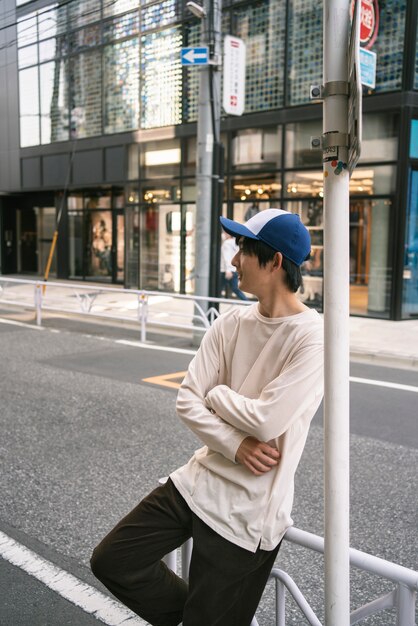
(97, 245)
(27, 257)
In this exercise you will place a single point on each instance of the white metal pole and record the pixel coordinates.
(336, 318)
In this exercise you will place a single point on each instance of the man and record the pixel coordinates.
(249, 395)
(229, 276)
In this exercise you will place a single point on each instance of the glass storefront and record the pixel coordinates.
(410, 272)
(96, 236)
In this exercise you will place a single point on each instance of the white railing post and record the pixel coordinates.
(143, 314)
(280, 603)
(406, 598)
(38, 304)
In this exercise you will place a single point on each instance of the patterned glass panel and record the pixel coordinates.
(161, 78)
(158, 15)
(54, 102)
(121, 86)
(305, 49)
(123, 26)
(85, 38)
(115, 7)
(81, 12)
(29, 107)
(191, 75)
(389, 45)
(263, 28)
(86, 96)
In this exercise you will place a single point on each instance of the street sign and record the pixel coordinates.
(355, 108)
(195, 56)
(368, 68)
(234, 76)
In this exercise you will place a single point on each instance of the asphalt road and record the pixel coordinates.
(84, 438)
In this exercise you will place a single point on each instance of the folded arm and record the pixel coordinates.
(202, 375)
(296, 391)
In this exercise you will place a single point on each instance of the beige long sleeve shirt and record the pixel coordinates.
(251, 376)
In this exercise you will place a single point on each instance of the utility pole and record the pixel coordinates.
(335, 143)
(208, 131)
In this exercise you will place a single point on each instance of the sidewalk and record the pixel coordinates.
(377, 341)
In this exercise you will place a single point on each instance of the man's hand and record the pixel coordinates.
(258, 456)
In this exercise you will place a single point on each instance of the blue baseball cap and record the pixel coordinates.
(281, 230)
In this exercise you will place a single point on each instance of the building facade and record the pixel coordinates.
(98, 132)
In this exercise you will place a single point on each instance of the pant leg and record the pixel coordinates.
(226, 582)
(128, 560)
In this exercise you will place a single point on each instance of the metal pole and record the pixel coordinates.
(208, 126)
(336, 318)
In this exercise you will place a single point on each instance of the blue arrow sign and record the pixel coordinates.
(194, 56)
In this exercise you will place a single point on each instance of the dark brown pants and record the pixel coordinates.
(226, 582)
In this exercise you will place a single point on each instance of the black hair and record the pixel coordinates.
(265, 254)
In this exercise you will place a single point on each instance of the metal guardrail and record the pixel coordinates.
(191, 313)
(402, 598)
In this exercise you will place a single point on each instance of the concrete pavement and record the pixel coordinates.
(377, 341)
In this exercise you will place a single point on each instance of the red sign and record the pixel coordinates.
(369, 21)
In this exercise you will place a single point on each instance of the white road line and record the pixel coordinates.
(383, 383)
(15, 323)
(146, 346)
(77, 592)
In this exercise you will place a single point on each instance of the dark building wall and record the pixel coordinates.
(9, 120)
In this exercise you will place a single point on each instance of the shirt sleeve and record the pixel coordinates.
(297, 391)
(202, 375)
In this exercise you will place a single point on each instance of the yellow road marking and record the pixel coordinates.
(167, 380)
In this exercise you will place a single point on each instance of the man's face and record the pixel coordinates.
(250, 274)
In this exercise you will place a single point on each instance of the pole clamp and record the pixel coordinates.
(330, 140)
(332, 88)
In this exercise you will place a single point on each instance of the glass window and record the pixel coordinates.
(389, 45)
(253, 148)
(118, 6)
(85, 38)
(380, 137)
(27, 56)
(81, 12)
(262, 26)
(298, 150)
(304, 183)
(121, 86)
(51, 48)
(410, 273)
(161, 192)
(27, 30)
(380, 180)
(123, 26)
(49, 23)
(158, 15)
(161, 78)
(75, 227)
(253, 189)
(54, 102)
(413, 146)
(86, 105)
(311, 214)
(29, 107)
(370, 265)
(305, 49)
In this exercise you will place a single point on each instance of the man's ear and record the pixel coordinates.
(277, 260)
